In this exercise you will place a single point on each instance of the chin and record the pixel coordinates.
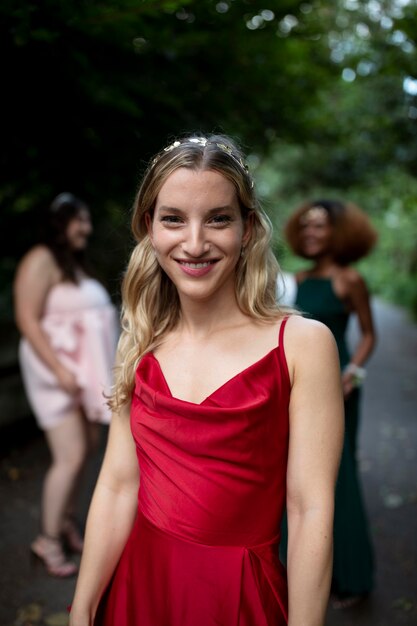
(79, 245)
(312, 254)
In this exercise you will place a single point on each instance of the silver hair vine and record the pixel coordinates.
(202, 141)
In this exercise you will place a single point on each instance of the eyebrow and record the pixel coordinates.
(169, 209)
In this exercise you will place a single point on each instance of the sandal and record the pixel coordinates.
(49, 552)
(72, 536)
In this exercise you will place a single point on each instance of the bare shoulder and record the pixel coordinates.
(351, 278)
(38, 266)
(308, 343)
(300, 330)
(39, 259)
(301, 276)
(41, 255)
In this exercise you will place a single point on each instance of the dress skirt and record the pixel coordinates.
(165, 580)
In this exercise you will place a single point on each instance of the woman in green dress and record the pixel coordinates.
(332, 235)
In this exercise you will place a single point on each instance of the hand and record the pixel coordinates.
(67, 380)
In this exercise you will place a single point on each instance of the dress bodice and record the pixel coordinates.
(81, 324)
(76, 312)
(317, 299)
(204, 546)
(68, 297)
(203, 465)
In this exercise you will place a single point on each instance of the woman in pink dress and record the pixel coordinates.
(69, 335)
(225, 408)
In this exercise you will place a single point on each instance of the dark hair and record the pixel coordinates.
(64, 208)
(353, 235)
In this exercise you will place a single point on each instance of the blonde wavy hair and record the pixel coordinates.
(151, 305)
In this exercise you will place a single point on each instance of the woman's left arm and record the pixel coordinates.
(358, 297)
(316, 436)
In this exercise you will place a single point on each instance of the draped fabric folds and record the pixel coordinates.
(204, 547)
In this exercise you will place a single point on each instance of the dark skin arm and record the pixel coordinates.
(351, 287)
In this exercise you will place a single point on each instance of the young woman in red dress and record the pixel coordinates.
(226, 409)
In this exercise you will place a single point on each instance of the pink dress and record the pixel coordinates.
(81, 324)
(204, 547)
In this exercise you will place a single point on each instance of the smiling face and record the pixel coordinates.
(197, 232)
(315, 233)
(79, 229)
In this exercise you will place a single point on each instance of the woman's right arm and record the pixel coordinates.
(36, 275)
(110, 519)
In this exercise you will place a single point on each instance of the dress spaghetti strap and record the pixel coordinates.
(281, 349)
(281, 330)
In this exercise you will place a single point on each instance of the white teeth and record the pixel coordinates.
(196, 266)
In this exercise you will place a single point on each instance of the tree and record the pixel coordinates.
(93, 89)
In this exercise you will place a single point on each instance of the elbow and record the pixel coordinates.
(372, 339)
(20, 324)
(370, 342)
(26, 325)
(319, 508)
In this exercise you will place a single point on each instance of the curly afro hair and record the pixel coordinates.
(353, 236)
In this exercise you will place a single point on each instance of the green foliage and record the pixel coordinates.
(96, 88)
(93, 89)
(392, 269)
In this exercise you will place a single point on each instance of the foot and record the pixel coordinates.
(72, 536)
(346, 601)
(49, 551)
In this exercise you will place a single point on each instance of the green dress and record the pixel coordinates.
(353, 554)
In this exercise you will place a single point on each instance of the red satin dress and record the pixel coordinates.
(204, 547)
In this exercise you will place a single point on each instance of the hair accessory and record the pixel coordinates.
(203, 141)
(172, 146)
(229, 151)
(63, 198)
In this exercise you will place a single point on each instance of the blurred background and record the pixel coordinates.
(322, 94)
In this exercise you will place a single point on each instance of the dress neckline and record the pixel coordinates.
(323, 278)
(220, 387)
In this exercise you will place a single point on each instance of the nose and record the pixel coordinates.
(87, 228)
(308, 230)
(195, 243)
